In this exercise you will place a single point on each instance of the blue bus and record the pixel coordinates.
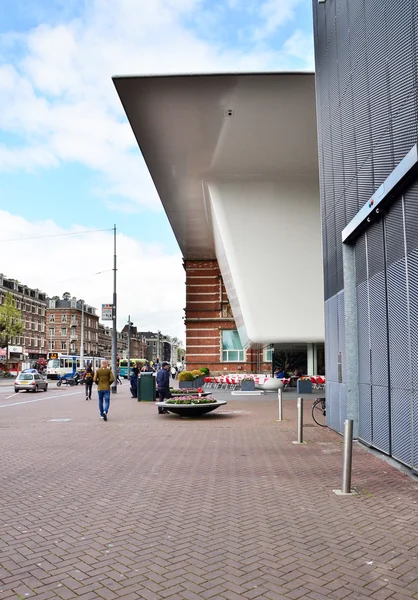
(123, 366)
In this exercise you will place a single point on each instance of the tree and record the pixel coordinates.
(180, 351)
(11, 323)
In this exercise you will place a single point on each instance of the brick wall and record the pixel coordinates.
(207, 313)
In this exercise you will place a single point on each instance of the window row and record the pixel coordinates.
(72, 333)
(24, 306)
(71, 347)
(233, 351)
(73, 321)
(35, 342)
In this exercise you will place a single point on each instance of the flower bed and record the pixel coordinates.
(191, 400)
(188, 392)
(189, 406)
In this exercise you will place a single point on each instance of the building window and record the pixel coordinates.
(52, 318)
(269, 354)
(63, 345)
(73, 320)
(63, 318)
(232, 350)
(63, 331)
(52, 331)
(72, 347)
(52, 345)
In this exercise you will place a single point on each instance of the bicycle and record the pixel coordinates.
(319, 412)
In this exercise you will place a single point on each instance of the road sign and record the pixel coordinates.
(107, 312)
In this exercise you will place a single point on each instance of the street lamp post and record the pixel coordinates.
(129, 345)
(114, 313)
(82, 336)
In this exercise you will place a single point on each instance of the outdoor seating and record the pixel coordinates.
(232, 381)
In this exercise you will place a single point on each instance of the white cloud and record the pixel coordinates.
(275, 13)
(60, 99)
(300, 45)
(150, 283)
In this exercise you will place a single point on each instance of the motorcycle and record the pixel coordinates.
(69, 379)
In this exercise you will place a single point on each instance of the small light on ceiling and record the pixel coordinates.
(229, 112)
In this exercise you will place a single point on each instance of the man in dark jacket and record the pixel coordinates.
(163, 382)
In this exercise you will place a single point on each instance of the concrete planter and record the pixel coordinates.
(195, 383)
(247, 386)
(191, 410)
(183, 385)
(304, 386)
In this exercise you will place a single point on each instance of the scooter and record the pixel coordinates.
(69, 379)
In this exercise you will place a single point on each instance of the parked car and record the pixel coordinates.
(31, 382)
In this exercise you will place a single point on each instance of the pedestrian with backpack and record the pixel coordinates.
(88, 378)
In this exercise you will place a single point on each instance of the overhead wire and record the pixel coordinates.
(39, 237)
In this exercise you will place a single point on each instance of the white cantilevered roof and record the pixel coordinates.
(187, 134)
(234, 160)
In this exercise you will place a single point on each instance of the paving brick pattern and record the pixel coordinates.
(151, 506)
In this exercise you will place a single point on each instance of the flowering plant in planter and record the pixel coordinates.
(186, 376)
(247, 378)
(191, 400)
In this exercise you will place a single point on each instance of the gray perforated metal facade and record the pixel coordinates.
(366, 54)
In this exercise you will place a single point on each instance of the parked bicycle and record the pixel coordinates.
(319, 412)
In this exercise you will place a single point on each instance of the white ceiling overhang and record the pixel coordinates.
(187, 135)
(204, 136)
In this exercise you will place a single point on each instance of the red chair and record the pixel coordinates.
(209, 382)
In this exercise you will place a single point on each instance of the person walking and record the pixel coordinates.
(173, 372)
(134, 380)
(163, 382)
(104, 379)
(118, 379)
(88, 380)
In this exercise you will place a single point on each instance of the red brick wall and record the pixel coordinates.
(207, 314)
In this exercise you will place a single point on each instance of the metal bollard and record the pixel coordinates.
(347, 456)
(280, 404)
(300, 420)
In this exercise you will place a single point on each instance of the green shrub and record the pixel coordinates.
(204, 371)
(186, 376)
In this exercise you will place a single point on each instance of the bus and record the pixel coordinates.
(123, 365)
(61, 364)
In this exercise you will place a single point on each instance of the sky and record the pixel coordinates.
(69, 162)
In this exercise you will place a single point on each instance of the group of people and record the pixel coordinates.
(281, 373)
(163, 380)
(104, 378)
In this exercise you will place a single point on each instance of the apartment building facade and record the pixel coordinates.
(63, 318)
(32, 303)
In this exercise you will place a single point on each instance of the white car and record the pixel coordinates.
(31, 382)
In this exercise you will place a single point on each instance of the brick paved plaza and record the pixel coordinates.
(150, 506)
